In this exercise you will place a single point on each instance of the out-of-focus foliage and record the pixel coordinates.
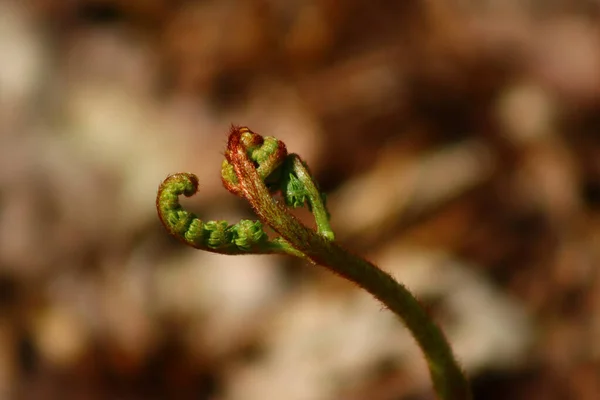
(459, 142)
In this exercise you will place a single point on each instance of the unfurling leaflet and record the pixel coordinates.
(215, 236)
(276, 169)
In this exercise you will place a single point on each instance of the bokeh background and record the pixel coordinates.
(459, 142)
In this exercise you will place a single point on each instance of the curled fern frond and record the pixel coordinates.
(215, 236)
(267, 153)
(280, 172)
(255, 168)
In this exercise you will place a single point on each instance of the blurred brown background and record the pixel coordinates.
(459, 142)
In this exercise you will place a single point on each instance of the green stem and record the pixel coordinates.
(448, 379)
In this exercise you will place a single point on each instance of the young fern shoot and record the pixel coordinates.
(254, 168)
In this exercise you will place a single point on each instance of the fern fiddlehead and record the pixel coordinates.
(280, 172)
(255, 168)
(216, 236)
(246, 237)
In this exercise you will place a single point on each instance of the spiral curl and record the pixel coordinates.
(267, 153)
(280, 171)
(216, 236)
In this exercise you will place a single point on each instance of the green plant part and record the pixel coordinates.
(255, 168)
(245, 237)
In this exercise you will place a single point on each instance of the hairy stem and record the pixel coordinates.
(448, 378)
